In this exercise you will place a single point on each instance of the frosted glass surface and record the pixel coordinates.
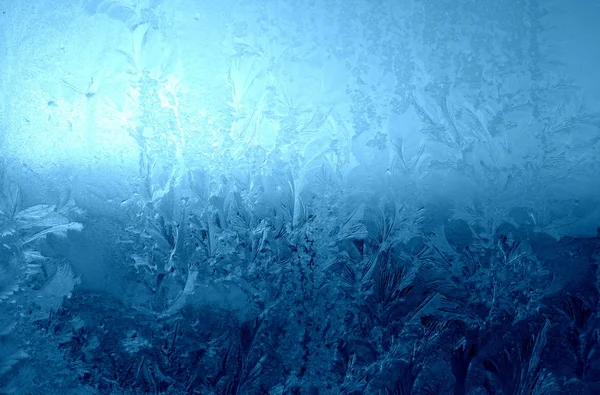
(299, 197)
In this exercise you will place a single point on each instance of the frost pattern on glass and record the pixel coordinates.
(316, 197)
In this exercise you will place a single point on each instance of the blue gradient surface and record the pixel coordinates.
(299, 197)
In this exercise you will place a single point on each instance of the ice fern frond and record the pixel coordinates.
(353, 227)
(36, 222)
(199, 183)
(50, 297)
(412, 164)
(392, 284)
(243, 73)
(394, 222)
(292, 204)
(403, 367)
(410, 218)
(431, 113)
(58, 230)
(518, 371)
(344, 270)
(341, 267)
(241, 217)
(386, 220)
(387, 291)
(182, 298)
